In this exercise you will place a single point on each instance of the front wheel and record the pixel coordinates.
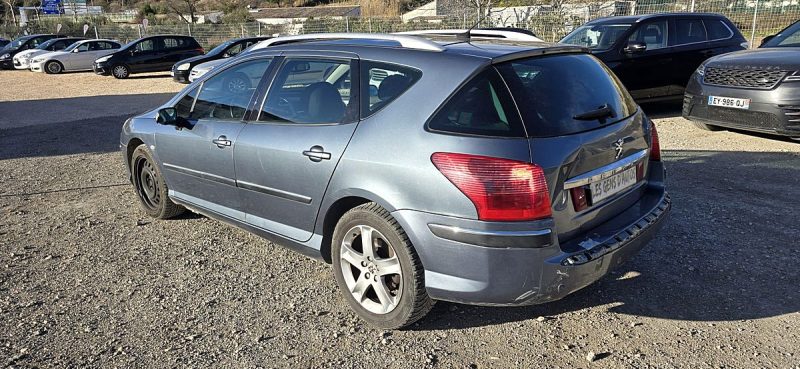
(120, 71)
(53, 67)
(150, 187)
(377, 268)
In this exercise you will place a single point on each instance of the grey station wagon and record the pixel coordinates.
(479, 172)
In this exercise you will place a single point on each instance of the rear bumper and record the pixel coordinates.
(775, 111)
(490, 274)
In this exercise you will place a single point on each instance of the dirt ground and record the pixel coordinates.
(86, 280)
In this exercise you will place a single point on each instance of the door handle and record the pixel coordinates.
(222, 142)
(317, 154)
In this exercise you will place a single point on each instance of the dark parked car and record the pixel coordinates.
(513, 183)
(21, 44)
(181, 70)
(755, 90)
(655, 54)
(149, 54)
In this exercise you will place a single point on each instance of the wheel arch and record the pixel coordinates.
(336, 209)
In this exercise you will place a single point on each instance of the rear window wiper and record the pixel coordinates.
(598, 114)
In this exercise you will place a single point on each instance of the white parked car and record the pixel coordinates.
(201, 69)
(22, 59)
(78, 57)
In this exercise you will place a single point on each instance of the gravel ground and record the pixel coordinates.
(87, 281)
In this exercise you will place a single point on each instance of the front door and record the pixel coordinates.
(198, 162)
(285, 159)
(144, 55)
(646, 74)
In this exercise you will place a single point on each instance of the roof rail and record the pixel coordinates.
(498, 34)
(407, 41)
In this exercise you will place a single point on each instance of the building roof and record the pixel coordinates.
(309, 12)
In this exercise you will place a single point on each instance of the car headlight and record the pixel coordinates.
(102, 59)
(701, 70)
(184, 66)
(5, 56)
(794, 77)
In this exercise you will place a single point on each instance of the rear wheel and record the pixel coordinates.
(707, 127)
(150, 187)
(53, 67)
(377, 268)
(120, 71)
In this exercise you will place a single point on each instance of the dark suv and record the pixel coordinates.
(149, 54)
(477, 171)
(21, 44)
(230, 48)
(655, 54)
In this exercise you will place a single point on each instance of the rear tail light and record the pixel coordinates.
(201, 50)
(579, 199)
(501, 189)
(655, 147)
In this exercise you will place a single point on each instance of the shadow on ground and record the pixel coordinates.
(36, 128)
(727, 253)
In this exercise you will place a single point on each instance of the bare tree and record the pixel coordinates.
(184, 8)
(10, 4)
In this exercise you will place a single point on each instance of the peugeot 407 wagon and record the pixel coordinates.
(477, 172)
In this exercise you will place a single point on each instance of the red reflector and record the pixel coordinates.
(655, 147)
(501, 189)
(579, 200)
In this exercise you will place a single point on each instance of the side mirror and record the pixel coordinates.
(75, 50)
(635, 47)
(169, 117)
(767, 39)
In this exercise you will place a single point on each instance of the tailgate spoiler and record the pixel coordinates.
(556, 49)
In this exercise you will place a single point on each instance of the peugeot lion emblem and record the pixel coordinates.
(618, 148)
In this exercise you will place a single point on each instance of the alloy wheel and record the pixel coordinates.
(371, 269)
(54, 68)
(237, 85)
(120, 71)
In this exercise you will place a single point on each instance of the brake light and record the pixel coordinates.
(201, 50)
(501, 189)
(655, 147)
(579, 199)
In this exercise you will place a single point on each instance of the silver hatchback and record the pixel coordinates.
(480, 172)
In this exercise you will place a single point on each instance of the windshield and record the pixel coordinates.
(73, 46)
(46, 44)
(18, 42)
(220, 48)
(596, 37)
(790, 37)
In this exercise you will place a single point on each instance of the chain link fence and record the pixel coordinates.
(550, 22)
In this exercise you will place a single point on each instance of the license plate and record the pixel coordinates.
(607, 187)
(729, 102)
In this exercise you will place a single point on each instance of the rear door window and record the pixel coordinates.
(689, 31)
(481, 107)
(653, 34)
(563, 94)
(717, 30)
(172, 42)
(385, 82)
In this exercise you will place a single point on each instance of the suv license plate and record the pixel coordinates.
(729, 102)
(607, 187)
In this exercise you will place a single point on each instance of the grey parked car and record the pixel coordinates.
(477, 172)
(755, 90)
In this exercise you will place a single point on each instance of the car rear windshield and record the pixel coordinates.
(565, 94)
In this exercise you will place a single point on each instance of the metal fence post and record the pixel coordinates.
(242, 30)
(347, 24)
(753, 33)
(189, 26)
(139, 27)
(259, 28)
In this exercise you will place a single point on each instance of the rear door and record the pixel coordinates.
(645, 74)
(285, 158)
(587, 126)
(690, 47)
(199, 162)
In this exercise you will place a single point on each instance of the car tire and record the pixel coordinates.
(150, 187)
(390, 298)
(53, 67)
(120, 71)
(707, 127)
(238, 83)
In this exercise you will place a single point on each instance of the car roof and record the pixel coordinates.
(496, 50)
(630, 19)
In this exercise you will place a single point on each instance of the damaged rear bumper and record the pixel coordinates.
(485, 274)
